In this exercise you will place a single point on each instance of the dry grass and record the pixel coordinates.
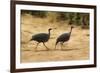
(77, 48)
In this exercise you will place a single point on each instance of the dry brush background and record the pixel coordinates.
(77, 48)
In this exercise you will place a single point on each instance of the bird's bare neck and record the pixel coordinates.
(49, 33)
(70, 31)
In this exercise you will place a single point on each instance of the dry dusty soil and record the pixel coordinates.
(77, 48)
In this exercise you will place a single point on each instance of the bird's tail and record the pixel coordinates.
(29, 40)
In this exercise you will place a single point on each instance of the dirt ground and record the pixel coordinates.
(77, 48)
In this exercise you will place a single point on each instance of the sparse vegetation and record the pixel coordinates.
(71, 17)
(33, 22)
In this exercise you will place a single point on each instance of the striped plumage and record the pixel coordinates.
(41, 38)
(63, 38)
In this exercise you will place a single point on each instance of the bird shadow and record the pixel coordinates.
(69, 49)
(56, 50)
(66, 49)
(27, 50)
(52, 50)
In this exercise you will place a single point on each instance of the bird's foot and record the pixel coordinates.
(36, 50)
(56, 49)
(63, 49)
(47, 49)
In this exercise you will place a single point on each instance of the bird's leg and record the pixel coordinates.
(46, 46)
(55, 46)
(36, 46)
(61, 45)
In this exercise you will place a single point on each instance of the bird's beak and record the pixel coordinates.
(54, 28)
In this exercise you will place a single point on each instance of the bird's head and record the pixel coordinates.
(72, 27)
(50, 29)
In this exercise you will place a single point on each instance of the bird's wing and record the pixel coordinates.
(64, 35)
(39, 35)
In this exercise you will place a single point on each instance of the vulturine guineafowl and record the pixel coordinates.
(63, 38)
(41, 38)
